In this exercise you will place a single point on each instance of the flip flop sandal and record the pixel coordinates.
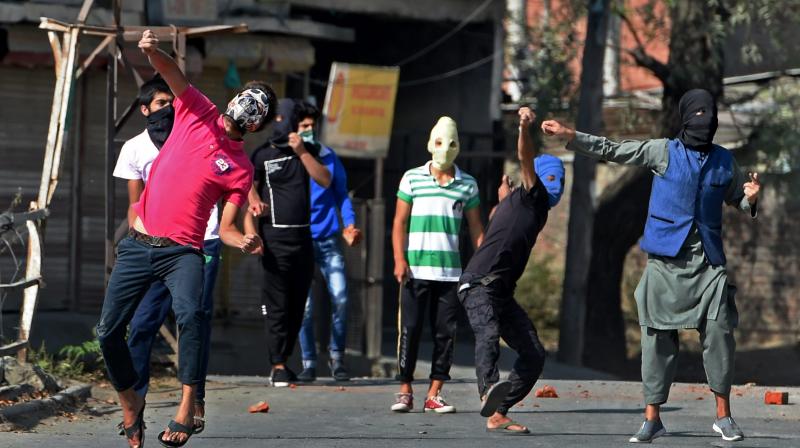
(175, 427)
(199, 424)
(504, 429)
(121, 425)
(136, 427)
(494, 398)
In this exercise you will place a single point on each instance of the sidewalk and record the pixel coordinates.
(588, 413)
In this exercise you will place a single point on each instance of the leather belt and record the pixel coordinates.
(155, 241)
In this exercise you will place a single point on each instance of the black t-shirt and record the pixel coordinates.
(283, 183)
(510, 236)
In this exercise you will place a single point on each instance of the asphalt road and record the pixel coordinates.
(587, 413)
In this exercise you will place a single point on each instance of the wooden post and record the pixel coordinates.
(110, 155)
(180, 49)
(76, 200)
(373, 311)
(68, 71)
(33, 269)
(55, 122)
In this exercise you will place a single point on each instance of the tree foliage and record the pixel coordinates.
(545, 77)
(772, 144)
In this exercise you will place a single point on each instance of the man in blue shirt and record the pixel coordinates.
(325, 232)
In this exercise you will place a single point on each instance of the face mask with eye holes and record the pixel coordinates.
(443, 143)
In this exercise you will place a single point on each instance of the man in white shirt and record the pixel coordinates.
(135, 159)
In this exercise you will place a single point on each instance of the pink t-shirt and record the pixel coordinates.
(197, 166)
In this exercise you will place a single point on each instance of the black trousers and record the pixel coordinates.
(288, 271)
(494, 315)
(442, 303)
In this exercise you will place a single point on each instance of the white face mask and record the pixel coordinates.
(443, 144)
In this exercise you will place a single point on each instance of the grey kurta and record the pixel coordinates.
(681, 291)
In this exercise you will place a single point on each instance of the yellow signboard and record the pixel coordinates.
(359, 109)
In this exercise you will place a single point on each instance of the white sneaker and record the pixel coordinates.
(404, 402)
(728, 429)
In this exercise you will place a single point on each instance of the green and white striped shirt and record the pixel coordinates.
(436, 214)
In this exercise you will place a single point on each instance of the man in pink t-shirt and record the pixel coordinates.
(202, 162)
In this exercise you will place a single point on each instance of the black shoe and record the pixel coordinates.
(283, 377)
(308, 375)
(338, 371)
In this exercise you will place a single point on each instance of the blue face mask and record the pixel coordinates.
(550, 170)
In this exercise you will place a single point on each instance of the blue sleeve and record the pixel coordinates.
(340, 193)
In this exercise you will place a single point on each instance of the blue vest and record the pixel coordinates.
(690, 192)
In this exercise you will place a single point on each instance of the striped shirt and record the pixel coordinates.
(436, 214)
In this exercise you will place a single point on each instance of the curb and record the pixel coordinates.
(50, 405)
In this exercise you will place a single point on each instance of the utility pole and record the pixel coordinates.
(583, 197)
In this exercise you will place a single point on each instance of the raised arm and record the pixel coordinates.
(652, 154)
(525, 149)
(316, 170)
(163, 63)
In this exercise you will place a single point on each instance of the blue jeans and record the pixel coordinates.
(152, 312)
(329, 258)
(180, 268)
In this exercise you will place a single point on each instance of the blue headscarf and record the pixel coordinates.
(550, 170)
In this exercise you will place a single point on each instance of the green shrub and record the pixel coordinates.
(73, 361)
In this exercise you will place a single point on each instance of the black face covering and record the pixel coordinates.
(697, 131)
(288, 109)
(159, 125)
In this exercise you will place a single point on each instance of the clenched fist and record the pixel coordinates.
(251, 244)
(752, 188)
(149, 42)
(526, 117)
(554, 128)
